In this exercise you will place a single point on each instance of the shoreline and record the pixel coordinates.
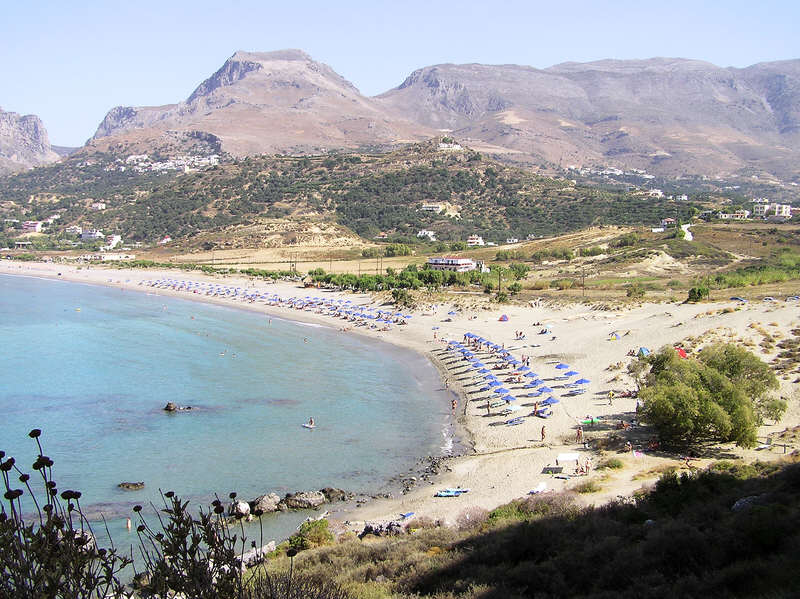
(502, 463)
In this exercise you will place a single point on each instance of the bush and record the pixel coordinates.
(612, 464)
(697, 294)
(472, 518)
(402, 297)
(314, 533)
(634, 290)
(514, 288)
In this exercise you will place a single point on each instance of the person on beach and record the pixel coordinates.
(488, 408)
(543, 433)
(454, 405)
(579, 435)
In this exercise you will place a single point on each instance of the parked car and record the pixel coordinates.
(769, 298)
(793, 298)
(736, 298)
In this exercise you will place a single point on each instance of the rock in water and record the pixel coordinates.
(265, 503)
(333, 494)
(239, 509)
(131, 486)
(307, 500)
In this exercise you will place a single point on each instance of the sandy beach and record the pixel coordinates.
(506, 462)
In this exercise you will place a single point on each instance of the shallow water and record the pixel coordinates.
(93, 367)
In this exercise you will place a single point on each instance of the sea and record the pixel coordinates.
(94, 366)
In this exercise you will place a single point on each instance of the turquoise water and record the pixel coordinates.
(95, 381)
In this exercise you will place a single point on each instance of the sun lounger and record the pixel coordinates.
(406, 516)
(515, 421)
(497, 404)
(446, 494)
(766, 445)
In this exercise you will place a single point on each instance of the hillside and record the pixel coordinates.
(365, 193)
(668, 116)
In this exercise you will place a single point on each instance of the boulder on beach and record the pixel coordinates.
(265, 503)
(128, 486)
(306, 500)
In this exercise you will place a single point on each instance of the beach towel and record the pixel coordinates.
(540, 488)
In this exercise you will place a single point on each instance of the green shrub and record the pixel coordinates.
(314, 533)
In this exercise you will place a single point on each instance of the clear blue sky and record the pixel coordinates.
(70, 62)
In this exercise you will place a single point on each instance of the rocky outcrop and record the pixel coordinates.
(23, 142)
(382, 529)
(128, 486)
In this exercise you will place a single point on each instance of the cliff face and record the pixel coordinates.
(23, 142)
(267, 102)
(667, 115)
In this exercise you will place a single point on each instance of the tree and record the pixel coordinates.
(519, 270)
(714, 398)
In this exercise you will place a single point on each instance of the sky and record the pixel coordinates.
(71, 62)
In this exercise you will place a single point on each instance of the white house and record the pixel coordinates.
(425, 233)
(667, 222)
(32, 226)
(74, 230)
(437, 208)
(98, 206)
(474, 240)
(92, 234)
(167, 239)
(655, 193)
(511, 240)
(682, 198)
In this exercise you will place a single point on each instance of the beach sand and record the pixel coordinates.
(506, 462)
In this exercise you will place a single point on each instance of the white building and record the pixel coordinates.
(682, 198)
(668, 222)
(92, 234)
(772, 209)
(452, 263)
(655, 193)
(32, 226)
(475, 240)
(112, 241)
(437, 208)
(74, 230)
(98, 206)
(425, 233)
(512, 240)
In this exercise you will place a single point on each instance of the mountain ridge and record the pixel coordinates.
(665, 115)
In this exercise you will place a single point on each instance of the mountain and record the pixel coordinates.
(667, 115)
(23, 142)
(262, 103)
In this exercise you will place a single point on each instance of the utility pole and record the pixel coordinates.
(583, 281)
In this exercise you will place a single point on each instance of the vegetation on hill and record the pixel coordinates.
(369, 193)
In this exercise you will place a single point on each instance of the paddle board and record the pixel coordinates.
(307, 425)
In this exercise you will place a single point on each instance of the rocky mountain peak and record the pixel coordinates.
(23, 142)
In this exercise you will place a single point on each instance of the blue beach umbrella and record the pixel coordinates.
(549, 401)
(583, 381)
(545, 389)
(523, 368)
(532, 375)
(501, 390)
(571, 373)
(562, 366)
(508, 398)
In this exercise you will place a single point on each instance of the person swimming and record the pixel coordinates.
(311, 422)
